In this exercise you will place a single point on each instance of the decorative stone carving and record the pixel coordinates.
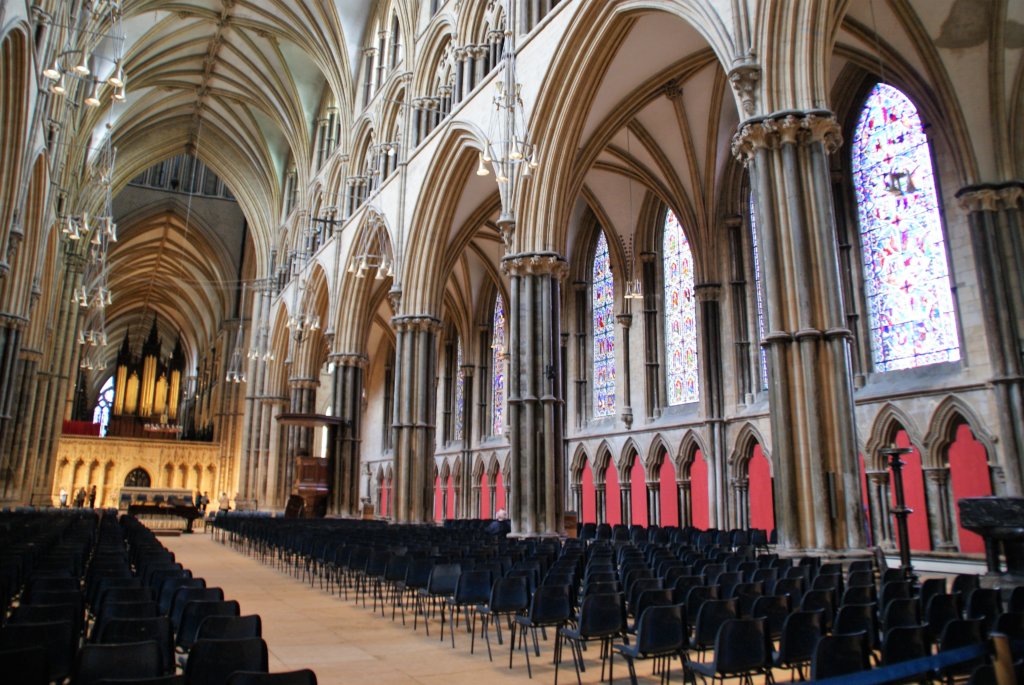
(535, 264)
(745, 79)
(787, 128)
(416, 323)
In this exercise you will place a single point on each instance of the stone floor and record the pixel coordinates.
(305, 627)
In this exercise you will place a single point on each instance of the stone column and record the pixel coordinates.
(810, 391)
(577, 499)
(626, 502)
(685, 503)
(583, 369)
(415, 411)
(997, 223)
(654, 503)
(599, 503)
(345, 438)
(652, 369)
(878, 504)
(303, 401)
(470, 486)
(939, 501)
(625, 320)
(708, 296)
(535, 405)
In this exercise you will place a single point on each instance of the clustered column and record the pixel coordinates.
(808, 342)
(996, 224)
(535, 405)
(345, 438)
(415, 411)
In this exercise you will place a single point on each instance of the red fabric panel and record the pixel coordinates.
(638, 493)
(612, 498)
(80, 428)
(589, 513)
(451, 497)
(499, 490)
(699, 492)
(667, 493)
(913, 489)
(759, 480)
(485, 497)
(437, 499)
(969, 475)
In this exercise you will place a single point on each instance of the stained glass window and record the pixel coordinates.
(498, 368)
(680, 315)
(101, 414)
(460, 389)
(602, 300)
(758, 296)
(906, 276)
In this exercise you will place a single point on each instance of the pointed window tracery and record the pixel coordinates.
(906, 274)
(602, 300)
(680, 315)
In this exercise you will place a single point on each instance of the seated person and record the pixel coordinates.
(500, 525)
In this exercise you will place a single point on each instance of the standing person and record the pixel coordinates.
(80, 498)
(199, 500)
(224, 504)
(92, 496)
(63, 498)
(204, 502)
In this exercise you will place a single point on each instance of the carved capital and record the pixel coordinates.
(787, 128)
(358, 360)
(535, 264)
(991, 197)
(708, 292)
(416, 323)
(395, 299)
(625, 320)
(303, 383)
(745, 79)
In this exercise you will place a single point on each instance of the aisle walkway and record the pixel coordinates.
(308, 628)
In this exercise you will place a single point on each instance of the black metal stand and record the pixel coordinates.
(900, 511)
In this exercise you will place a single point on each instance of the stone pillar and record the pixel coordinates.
(303, 401)
(470, 504)
(939, 501)
(878, 504)
(814, 445)
(654, 503)
(710, 350)
(535, 405)
(414, 422)
(582, 371)
(652, 369)
(344, 437)
(577, 499)
(600, 509)
(625, 320)
(626, 502)
(685, 503)
(997, 223)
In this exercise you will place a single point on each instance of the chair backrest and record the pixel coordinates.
(900, 613)
(197, 612)
(773, 609)
(301, 677)
(170, 587)
(661, 630)
(474, 587)
(823, 600)
(712, 614)
(192, 594)
(965, 583)
(740, 646)
(985, 603)
(230, 627)
(941, 610)
(550, 605)
(25, 665)
(56, 637)
(443, 579)
(857, 618)
(210, 662)
(112, 610)
(602, 615)
(836, 655)
(125, 660)
(903, 643)
(929, 588)
(696, 597)
(859, 594)
(962, 632)
(156, 629)
(793, 587)
(895, 589)
(509, 594)
(418, 574)
(124, 594)
(800, 634)
(1016, 602)
(397, 567)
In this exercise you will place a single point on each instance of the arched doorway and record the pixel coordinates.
(137, 478)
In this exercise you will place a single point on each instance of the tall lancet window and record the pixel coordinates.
(758, 297)
(906, 275)
(498, 367)
(460, 389)
(602, 301)
(680, 315)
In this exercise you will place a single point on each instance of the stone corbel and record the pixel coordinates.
(745, 79)
(535, 264)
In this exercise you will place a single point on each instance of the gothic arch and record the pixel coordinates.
(657, 452)
(948, 415)
(436, 48)
(630, 453)
(579, 461)
(688, 447)
(744, 444)
(888, 421)
(602, 461)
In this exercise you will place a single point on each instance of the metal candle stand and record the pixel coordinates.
(900, 511)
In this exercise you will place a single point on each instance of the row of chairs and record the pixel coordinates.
(123, 609)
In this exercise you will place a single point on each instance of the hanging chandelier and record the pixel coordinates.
(236, 372)
(92, 53)
(507, 149)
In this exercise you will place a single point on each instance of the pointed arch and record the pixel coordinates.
(946, 419)
(889, 420)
